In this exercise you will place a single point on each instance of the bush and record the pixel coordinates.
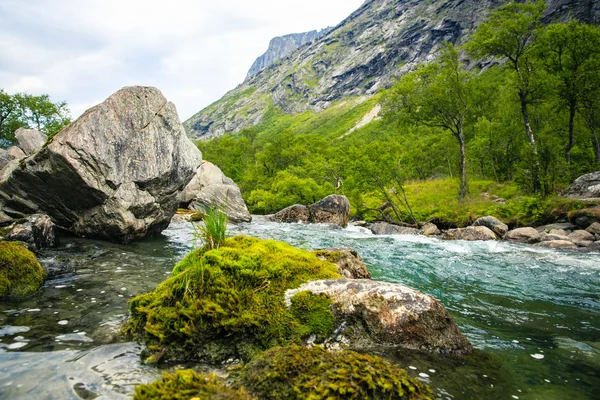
(229, 302)
(20, 273)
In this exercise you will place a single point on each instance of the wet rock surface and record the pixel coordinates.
(384, 228)
(470, 233)
(333, 209)
(350, 264)
(525, 235)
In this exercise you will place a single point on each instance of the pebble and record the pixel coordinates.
(537, 356)
(413, 368)
(123, 289)
(423, 375)
(17, 345)
(432, 371)
(80, 290)
(34, 310)
(63, 322)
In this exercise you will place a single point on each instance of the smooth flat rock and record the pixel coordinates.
(470, 233)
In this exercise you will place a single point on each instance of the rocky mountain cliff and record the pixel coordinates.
(377, 43)
(281, 46)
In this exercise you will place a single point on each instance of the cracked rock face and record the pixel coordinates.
(115, 173)
(368, 313)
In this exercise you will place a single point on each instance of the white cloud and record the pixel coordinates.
(81, 51)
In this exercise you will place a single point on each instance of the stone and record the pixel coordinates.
(5, 219)
(546, 237)
(525, 235)
(470, 233)
(350, 264)
(384, 228)
(30, 140)
(584, 187)
(558, 232)
(566, 226)
(16, 152)
(594, 228)
(370, 314)
(497, 226)
(211, 188)
(585, 217)
(333, 209)
(581, 235)
(429, 229)
(557, 244)
(115, 173)
(38, 231)
(5, 158)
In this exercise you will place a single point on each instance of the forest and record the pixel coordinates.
(501, 124)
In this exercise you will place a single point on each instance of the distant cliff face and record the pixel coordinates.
(376, 44)
(281, 46)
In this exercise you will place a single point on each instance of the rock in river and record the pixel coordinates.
(333, 209)
(497, 226)
(371, 314)
(527, 235)
(384, 228)
(115, 173)
(350, 264)
(37, 230)
(470, 233)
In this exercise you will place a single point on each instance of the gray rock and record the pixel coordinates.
(383, 228)
(584, 187)
(37, 231)
(497, 226)
(333, 209)
(557, 244)
(292, 214)
(559, 232)
(565, 226)
(16, 152)
(115, 173)
(211, 188)
(594, 228)
(371, 314)
(30, 140)
(546, 237)
(350, 264)
(470, 233)
(585, 217)
(5, 219)
(581, 235)
(429, 229)
(5, 158)
(526, 235)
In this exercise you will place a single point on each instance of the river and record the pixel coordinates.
(532, 314)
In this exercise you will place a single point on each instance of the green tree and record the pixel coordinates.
(571, 53)
(439, 95)
(509, 35)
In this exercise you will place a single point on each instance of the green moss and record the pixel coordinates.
(312, 373)
(228, 302)
(314, 313)
(331, 256)
(188, 384)
(20, 273)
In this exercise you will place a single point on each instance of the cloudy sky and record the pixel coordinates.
(82, 51)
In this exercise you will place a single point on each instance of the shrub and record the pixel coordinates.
(20, 273)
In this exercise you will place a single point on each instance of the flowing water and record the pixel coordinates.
(532, 314)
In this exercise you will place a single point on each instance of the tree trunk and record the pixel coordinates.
(595, 143)
(537, 187)
(463, 189)
(572, 110)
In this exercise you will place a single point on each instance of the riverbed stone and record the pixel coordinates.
(371, 314)
(292, 214)
(115, 173)
(37, 230)
(557, 244)
(581, 235)
(470, 233)
(430, 229)
(525, 235)
(333, 209)
(546, 237)
(565, 226)
(594, 228)
(30, 140)
(494, 224)
(585, 217)
(348, 261)
(384, 228)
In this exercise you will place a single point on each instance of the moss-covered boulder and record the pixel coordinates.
(295, 372)
(229, 303)
(350, 264)
(188, 384)
(20, 273)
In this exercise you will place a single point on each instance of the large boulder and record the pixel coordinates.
(384, 228)
(30, 140)
(430, 229)
(37, 231)
(349, 263)
(211, 188)
(497, 226)
(333, 209)
(470, 233)
(584, 187)
(586, 217)
(371, 314)
(115, 173)
(526, 235)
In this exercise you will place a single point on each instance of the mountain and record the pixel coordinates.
(366, 52)
(281, 46)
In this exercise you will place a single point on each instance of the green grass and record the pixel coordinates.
(214, 230)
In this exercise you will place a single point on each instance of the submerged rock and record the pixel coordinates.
(20, 273)
(494, 224)
(584, 187)
(384, 228)
(211, 188)
(115, 173)
(350, 264)
(526, 235)
(333, 209)
(37, 230)
(371, 314)
(30, 140)
(470, 233)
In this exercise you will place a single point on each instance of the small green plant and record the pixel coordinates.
(214, 230)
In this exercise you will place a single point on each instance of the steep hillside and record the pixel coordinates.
(281, 46)
(377, 43)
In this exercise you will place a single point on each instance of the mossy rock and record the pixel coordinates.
(20, 273)
(229, 303)
(295, 372)
(188, 384)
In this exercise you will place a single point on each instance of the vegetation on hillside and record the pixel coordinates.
(527, 122)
